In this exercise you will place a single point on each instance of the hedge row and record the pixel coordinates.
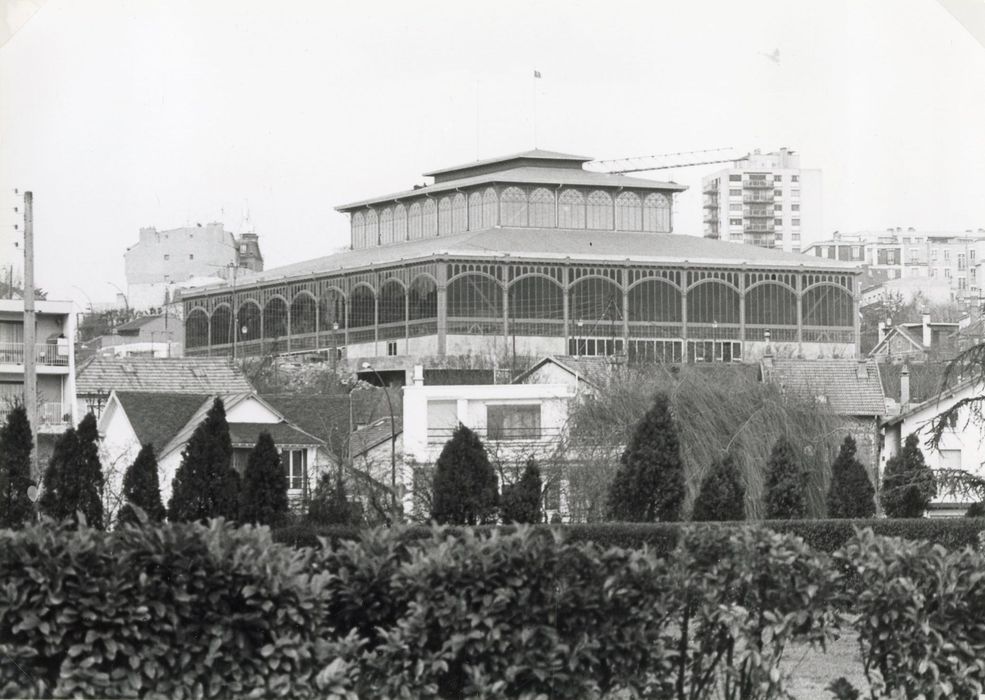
(822, 535)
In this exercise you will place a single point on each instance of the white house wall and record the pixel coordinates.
(251, 411)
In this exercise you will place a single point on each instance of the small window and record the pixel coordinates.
(951, 459)
(777, 193)
(295, 463)
(795, 178)
(191, 256)
(735, 207)
(778, 222)
(735, 178)
(391, 348)
(735, 222)
(777, 207)
(794, 207)
(777, 178)
(513, 422)
(735, 193)
(795, 222)
(167, 257)
(794, 193)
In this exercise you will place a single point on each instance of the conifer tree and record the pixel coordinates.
(15, 469)
(263, 495)
(330, 504)
(786, 483)
(722, 495)
(851, 494)
(464, 488)
(88, 472)
(909, 483)
(521, 501)
(649, 484)
(141, 488)
(205, 484)
(59, 495)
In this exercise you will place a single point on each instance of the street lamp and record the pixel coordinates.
(126, 302)
(335, 346)
(393, 442)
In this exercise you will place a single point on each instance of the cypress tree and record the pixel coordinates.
(464, 487)
(263, 496)
(786, 483)
(722, 495)
(521, 501)
(909, 483)
(60, 491)
(205, 484)
(142, 488)
(15, 469)
(88, 472)
(851, 494)
(649, 484)
(330, 504)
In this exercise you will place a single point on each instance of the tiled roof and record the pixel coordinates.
(838, 381)
(326, 416)
(137, 323)
(551, 244)
(283, 434)
(586, 368)
(186, 375)
(534, 154)
(157, 417)
(376, 433)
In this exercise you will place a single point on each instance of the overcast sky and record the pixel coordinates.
(122, 114)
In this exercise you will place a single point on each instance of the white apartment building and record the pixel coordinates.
(765, 199)
(54, 359)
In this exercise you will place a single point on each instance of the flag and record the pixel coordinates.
(536, 73)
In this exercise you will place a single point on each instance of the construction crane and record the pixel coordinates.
(665, 161)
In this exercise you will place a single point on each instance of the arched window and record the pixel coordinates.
(221, 328)
(712, 302)
(771, 304)
(372, 229)
(475, 211)
(386, 226)
(248, 319)
(536, 298)
(475, 296)
(331, 309)
(542, 208)
(197, 329)
(629, 212)
(422, 299)
(399, 223)
(458, 213)
(415, 224)
(362, 307)
(393, 302)
(275, 318)
(513, 207)
(358, 230)
(490, 208)
(444, 216)
(656, 213)
(828, 306)
(655, 301)
(598, 212)
(429, 217)
(571, 209)
(595, 302)
(303, 314)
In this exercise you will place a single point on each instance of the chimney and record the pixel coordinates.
(882, 331)
(904, 387)
(926, 329)
(418, 375)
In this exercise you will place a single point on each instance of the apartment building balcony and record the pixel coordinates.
(710, 218)
(759, 228)
(710, 203)
(710, 187)
(757, 197)
(755, 213)
(49, 356)
(758, 184)
(53, 416)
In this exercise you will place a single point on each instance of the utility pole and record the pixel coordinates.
(30, 333)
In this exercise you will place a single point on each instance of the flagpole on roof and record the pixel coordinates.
(534, 83)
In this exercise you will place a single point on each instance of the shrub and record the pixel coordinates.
(919, 616)
(851, 494)
(465, 490)
(908, 483)
(15, 469)
(975, 510)
(330, 504)
(263, 495)
(205, 484)
(141, 488)
(786, 483)
(649, 484)
(722, 495)
(521, 501)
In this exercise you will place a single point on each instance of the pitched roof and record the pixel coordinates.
(587, 369)
(156, 417)
(325, 416)
(533, 154)
(883, 347)
(185, 375)
(283, 434)
(376, 433)
(137, 323)
(551, 244)
(838, 381)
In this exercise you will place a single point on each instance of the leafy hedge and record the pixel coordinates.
(823, 535)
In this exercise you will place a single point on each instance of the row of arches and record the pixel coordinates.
(472, 296)
(513, 206)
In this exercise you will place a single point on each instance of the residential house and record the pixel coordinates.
(98, 377)
(915, 342)
(850, 389)
(960, 447)
(585, 374)
(166, 420)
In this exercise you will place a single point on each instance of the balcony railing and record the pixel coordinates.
(757, 197)
(758, 184)
(759, 213)
(45, 354)
(51, 414)
(759, 228)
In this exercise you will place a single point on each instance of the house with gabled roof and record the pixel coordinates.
(915, 342)
(166, 420)
(585, 373)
